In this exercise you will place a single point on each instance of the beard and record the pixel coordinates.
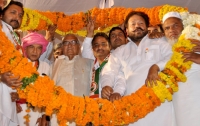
(15, 24)
(172, 41)
(137, 37)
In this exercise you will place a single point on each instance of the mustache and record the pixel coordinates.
(99, 50)
(15, 21)
(138, 28)
(117, 39)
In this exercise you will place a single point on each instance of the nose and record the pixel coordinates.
(100, 46)
(137, 24)
(34, 50)
(172, 28)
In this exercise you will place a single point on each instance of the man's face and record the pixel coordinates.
(70, 49)
(172, 28)
(13, 16)
(117, 38)
(101, 47)
(33, 52)
(152, 29)
(136, 28)
(57, 53)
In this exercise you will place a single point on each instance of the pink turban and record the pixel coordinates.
(34, 38)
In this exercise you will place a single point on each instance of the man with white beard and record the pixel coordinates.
(186, 101)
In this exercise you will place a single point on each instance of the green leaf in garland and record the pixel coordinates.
(26, 81)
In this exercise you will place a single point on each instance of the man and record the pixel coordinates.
(101, 50)
(186, 100)
(71, 71)
(133, 60)
(117, 37)
(11, 19)
(34, 45)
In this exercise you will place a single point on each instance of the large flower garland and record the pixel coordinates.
(105, 18)
(41, 91)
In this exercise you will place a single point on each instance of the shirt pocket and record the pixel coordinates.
(152, 53)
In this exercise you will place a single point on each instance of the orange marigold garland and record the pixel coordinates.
(104, 18)
(126, 110)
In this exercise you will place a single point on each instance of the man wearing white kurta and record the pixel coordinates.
(134, 60)
(186, 100)
(71, 71)
(8, 114)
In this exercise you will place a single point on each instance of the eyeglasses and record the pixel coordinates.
(73, 42)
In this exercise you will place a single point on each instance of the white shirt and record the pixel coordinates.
(44, 57)
(134, 62)
(186, 101)
(35, 112)
(7, 107)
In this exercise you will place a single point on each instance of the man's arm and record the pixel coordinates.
(108, 76)
(119, 87)
(50, 32)
(87, 44)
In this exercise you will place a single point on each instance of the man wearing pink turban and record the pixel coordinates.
(34, 45)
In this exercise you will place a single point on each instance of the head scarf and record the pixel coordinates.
(34, 38)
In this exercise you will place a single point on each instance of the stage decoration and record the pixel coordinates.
(75, 23)
(42, 92)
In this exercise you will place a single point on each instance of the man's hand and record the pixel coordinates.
(191, 56)
(50, 32)
(90, 27)
(154, 35)
(106, 92)
(18, 107)
(10, 81)
(197, 47)
(115, 96)
(42, 121)
(14, 96)
(152, 76)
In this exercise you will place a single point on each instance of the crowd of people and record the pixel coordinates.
(102, 66)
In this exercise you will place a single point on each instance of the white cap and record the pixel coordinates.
(171, 14)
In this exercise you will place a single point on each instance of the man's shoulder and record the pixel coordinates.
(122, 48)
(161, 39)
(85, 59)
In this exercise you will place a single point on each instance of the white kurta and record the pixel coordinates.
(87, 52)
(35, 113)
(134, 62)
(186, 100)
(8, 114)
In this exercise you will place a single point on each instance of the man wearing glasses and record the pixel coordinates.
(71, 71)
